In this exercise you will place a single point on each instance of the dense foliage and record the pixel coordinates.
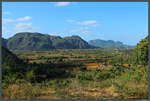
(141, 52)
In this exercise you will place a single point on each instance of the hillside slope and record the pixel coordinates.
(38, 41)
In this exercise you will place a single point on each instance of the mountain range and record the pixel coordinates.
(109, 44)
(38, 41)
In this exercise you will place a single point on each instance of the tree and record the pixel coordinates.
(141, 52)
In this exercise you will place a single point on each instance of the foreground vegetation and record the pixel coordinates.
(76, 74)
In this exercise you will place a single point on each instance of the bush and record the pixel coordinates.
(30, 76)
(117, 70)
(103, 75)
(85, 76)
(9, 78)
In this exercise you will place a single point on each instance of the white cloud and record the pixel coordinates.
(92, 23)
(4, 21)
(70, 21)
(24, 27)
(88, 23)
(20, 27)
(62, 3)
(24, 18)
(84, 30)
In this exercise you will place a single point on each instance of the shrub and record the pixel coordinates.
(85, 76)
(30, 76)
(9, 78)
(103, 75)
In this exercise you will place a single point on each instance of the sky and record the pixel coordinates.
(119, 21)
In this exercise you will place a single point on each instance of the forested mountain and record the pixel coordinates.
(108, 44)
(77, 42)
(38, 41)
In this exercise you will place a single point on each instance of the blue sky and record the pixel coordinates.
(119, 21)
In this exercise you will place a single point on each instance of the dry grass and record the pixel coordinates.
(20, 91)
(75, 90)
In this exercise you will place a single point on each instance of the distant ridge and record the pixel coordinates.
(109, 44)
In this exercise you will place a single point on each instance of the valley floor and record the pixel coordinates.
(89, 80)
